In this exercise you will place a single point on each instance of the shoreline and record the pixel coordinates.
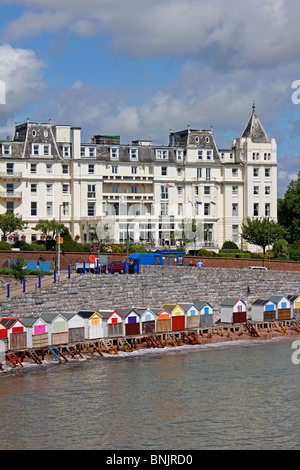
(205, 342)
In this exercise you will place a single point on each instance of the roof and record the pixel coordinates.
(9, 322)
(277, 298)
(255, 130)
(86, 313)
(262, 301)
(230, 301)
(30, 321)
(292, 298)
(49, 317)
(200, 303)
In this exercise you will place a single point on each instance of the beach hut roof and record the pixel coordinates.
(277, 298)
(292, 298)
(86, 313)
(260, 302)
(9, 322)
(49, 317)
(30, 321)
(230, 301)
(200, 303)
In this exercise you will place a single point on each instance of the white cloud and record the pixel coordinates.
(22, 73)
(228, 34)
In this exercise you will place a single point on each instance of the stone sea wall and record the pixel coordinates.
(154, 286)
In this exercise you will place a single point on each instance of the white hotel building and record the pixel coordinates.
(142, 191)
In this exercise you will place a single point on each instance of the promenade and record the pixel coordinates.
(29, 285)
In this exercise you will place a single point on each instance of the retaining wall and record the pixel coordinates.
(154, 286)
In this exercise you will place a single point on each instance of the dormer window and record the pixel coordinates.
(114, 153)
(133, 154)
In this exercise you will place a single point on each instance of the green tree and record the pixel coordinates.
(289, 211)
(10, 222)
(18, 270)
(262, 232)
(49, 228)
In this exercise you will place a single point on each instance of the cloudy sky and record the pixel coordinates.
(139, 68)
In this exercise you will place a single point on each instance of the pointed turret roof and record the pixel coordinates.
(255, 130)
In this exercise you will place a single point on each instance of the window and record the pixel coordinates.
(235, 209)
(196, 189)
(164, 171)
(65, 189)
(255, 190)
(65, 169)
(179, 190)
(161, 154)
(267, 209)
(179, 155)
(134, 170)
(91, 169)
(82, 151)
(91, 209)
(179, 172)
(209, 154)
(114, 153)
(92, 152)
(114, 188)
(267, 190)
(66, 151)
(33, 188)
(6, 149)
(49, 209)
(49, 169)
(206, 190)
(134, 189)
(207, 173)
(235, 191)
(33, 168)
(33, 208)
(35, 149)
(9, 188)
(49, 188)
(10, 206)
(255, 172)
(206, 208)
(164, 208)
(65, 209)
(234, 172)
(267, 172)
(255, 209)
(114, 169)
(164, 192)
(200, 154)
(199, 172)
(46, 149)
(10, 168)
(133, 154)
(179, 209)
(91, 192)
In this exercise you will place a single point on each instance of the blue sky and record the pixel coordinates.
(140, 68)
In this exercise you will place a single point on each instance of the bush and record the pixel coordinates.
(229, 245)
(5, 246)
(137, 249)
(294, 252)
(204, 252)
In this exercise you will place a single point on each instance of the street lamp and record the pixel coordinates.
(59, 232)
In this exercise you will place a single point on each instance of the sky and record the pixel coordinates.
(140, 68)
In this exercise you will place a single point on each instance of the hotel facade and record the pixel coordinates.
(139, 192)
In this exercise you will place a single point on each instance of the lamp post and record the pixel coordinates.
(59, 232)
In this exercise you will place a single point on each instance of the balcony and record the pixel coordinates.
(10, 195)
(7, 176)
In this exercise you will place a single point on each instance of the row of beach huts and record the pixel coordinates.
(53, 329)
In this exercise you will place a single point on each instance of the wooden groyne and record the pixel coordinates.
(99, 348)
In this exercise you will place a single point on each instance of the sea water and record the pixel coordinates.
(233, 395)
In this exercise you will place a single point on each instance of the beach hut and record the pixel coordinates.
(113, 323)
(76, 326)
(164, 322)
(148, 320)
(295, 305)
(132, 321)
(263, 310)
(37, 332)
(283, 307)
(233, 310)
(93, 324)
(3, 334)
(206, 313)
(192, 313)
(16, 334)
(57, 328)
(177, 316)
